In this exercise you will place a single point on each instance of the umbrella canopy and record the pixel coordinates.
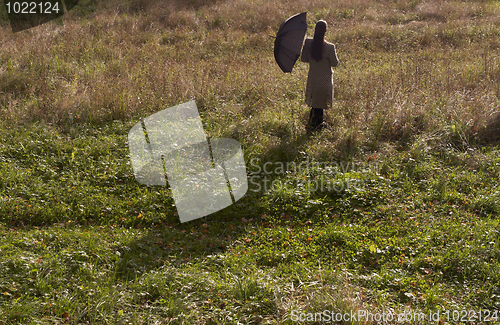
(289, 40)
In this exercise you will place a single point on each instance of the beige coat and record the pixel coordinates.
(319, 90)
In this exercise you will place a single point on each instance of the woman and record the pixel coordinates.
(321, 56)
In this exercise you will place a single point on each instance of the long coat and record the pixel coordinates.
(319, 90)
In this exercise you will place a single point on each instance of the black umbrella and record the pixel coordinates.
(289, 40)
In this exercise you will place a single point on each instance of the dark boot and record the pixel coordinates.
(315, 119)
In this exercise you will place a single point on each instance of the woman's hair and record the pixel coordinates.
(318, 40)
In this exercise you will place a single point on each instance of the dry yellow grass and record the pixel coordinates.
(407, 68)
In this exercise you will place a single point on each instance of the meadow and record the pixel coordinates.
(395, 211)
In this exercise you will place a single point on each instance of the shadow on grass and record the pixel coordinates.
(178, 243)
(287, 150)
(490, 134)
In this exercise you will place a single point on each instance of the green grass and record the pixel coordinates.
(397, 210)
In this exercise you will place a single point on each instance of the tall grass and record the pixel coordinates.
(407, 68)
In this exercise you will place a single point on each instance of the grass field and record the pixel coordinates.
(393, 208)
